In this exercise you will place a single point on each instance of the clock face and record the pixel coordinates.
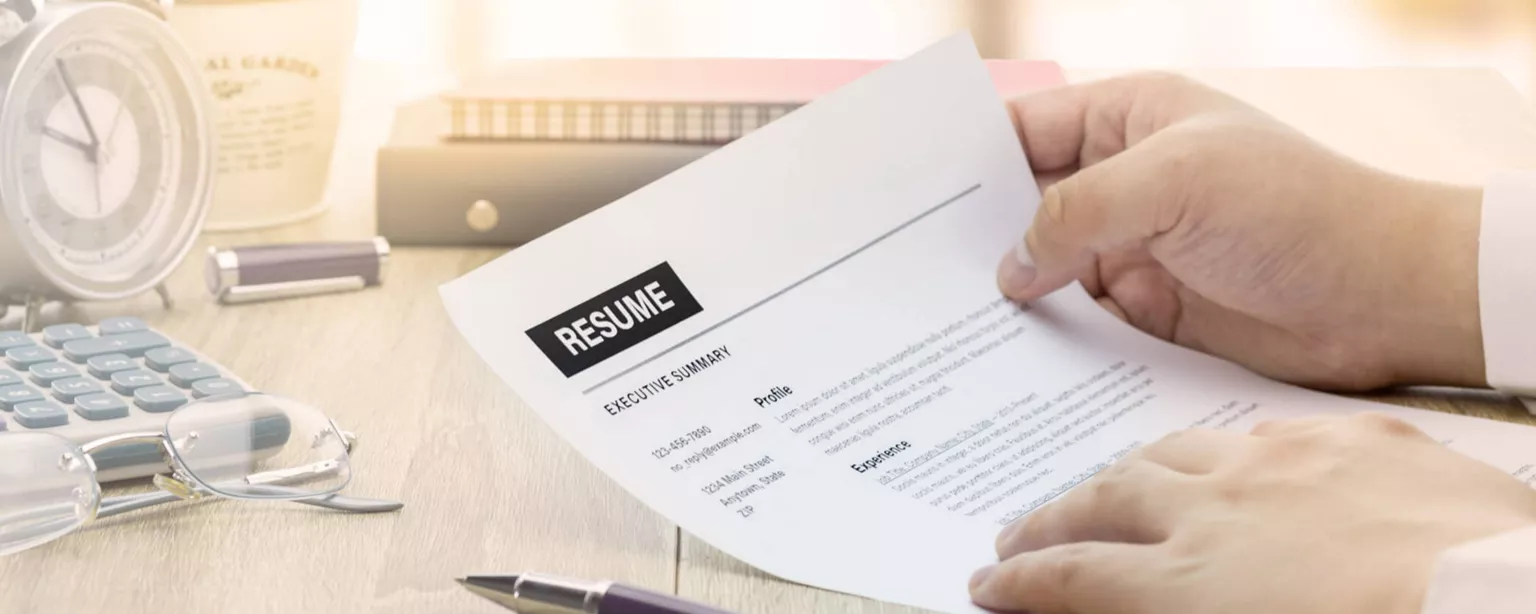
(106, 157)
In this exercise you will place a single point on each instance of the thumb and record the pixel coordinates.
(1124, 200)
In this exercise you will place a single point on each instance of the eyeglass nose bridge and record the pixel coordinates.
(173, 481)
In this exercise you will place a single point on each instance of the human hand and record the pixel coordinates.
(1322, 515)
(1205, 222)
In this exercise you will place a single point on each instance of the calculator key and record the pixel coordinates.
(11, 396)
(41, 414)
(24, 357)
(14, 339)
(125, 382)
(121, 325)
(57, 334)
(101, 407)
(157, 399)
(184, 374)
(104, 366)
(67, 390)
(214, 387)
(162, 359)
(131, 344)
(10, 378)
(47, 373)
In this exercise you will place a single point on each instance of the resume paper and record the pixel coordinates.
(795, 348)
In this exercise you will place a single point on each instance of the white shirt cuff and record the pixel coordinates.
(1495, 575)
(1507, 282)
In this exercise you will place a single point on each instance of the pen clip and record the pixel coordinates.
(291, 289)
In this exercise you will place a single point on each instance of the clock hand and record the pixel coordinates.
(106, 147)
(84, 147)
(96, 182)
(69, 84)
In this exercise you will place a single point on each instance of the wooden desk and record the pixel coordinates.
(488, 487)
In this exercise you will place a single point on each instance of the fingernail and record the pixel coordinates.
(1017, 271)
(980, 577)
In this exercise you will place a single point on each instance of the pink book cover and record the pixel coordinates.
(708, 80)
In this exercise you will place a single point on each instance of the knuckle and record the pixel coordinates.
(1286, 450)
(1232, 491)
(1066, 568)
(1378, 422)
(1184, 437)
(1032, 529)
(1275, 426)
(1195, 542)
(1115, 488)
(1162, 81)
(1186, 160)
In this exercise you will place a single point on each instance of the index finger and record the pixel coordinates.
(1067, 128)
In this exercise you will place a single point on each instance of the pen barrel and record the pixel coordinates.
(269, 264)
(626, 600)
(264, 272)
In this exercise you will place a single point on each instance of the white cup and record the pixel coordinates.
(276, 70)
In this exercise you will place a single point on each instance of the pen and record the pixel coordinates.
(265, 272)
(541, 594)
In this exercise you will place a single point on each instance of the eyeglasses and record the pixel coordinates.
(245, 446)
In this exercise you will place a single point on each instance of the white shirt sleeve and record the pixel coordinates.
(1506, 281)
(1497, 575)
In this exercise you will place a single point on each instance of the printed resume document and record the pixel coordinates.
(795, 347)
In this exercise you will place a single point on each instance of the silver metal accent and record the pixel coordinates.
(222, 270)
(284, 475)
(482, 216)
(165, 296)
(25, 9)
(541, 594)
(381, 247)
(291, 289)
(132, 437)
(32, 313)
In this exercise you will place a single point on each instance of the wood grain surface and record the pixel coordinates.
(488, 487)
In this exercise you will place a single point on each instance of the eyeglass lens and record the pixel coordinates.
(257, 446)
(47, 488)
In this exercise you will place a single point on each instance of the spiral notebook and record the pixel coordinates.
(712, 100)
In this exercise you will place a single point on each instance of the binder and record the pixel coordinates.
(537, 143)
(710, 100)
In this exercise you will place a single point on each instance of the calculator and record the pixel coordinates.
(88, 382)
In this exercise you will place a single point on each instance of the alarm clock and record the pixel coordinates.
(106, 150)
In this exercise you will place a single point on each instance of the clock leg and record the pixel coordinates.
(32, 313)
(25, 9)
(165, 297)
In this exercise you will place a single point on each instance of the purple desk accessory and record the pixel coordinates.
(540, 594)
(267, 272)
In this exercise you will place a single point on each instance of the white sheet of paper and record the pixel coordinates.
(852, 406)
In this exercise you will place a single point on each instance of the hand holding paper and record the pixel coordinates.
(1207, 223)
(1321, 515)
(795, 347)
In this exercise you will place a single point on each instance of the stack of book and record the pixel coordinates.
(538, 143)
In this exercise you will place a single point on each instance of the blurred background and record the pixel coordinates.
(349, 64)
(441, 40)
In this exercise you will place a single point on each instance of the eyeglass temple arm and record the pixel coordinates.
(113, 506)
